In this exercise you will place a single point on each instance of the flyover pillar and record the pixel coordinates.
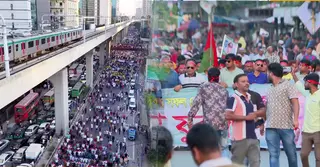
(108, 47)
(102, 54)
(60, 83)
(89, 69)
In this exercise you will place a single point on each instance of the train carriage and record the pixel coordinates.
(24, 48)
(10, 51)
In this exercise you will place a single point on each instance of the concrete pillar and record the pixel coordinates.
(102, 54)
(60, 83)
(89, 69)
(108, 47)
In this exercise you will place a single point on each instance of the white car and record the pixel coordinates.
(132, 103)
(3, 144)
(32, 129)
(19, 155)
(5, 157)
(44, 126)
(53, 124)
(25, 165)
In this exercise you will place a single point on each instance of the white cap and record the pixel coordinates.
(280, 42)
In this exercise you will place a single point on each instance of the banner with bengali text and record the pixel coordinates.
(173, 113)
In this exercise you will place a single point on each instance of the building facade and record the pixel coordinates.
(17, 15)
(104, 12)
(146, 8)
(138, 13)
(71, 9)
(90, 9)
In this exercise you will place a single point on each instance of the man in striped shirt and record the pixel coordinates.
(191, 79)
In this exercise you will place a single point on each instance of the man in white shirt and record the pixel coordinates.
(244, 57)
(204, 143)
(260, 55)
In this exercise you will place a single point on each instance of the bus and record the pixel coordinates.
(26, 107)
(77, 89)
(81, 68)
(73, 68)
(48, 98)
(74, 80)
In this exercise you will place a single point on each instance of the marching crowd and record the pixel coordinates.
(99, 137)
(291, 66)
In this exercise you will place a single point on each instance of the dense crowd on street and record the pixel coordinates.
(291, 65)
(99, 137)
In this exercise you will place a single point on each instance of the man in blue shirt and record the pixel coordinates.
(309, 56)
(257, 76)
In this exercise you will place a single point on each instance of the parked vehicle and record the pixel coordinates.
(19, 156)
(43, 127)
(19, 143)
(32, 129)
(26, 107)
(19, 133)
(3, 144)
(33, 152)
(25, 165)
(5, 157)
(35, 139)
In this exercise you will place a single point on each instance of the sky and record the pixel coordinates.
(128, 7)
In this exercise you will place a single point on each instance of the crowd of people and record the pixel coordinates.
(99, 137)
(290, 66)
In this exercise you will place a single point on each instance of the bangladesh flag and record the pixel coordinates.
(206, 59)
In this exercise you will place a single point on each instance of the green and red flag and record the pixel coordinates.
(208, 60)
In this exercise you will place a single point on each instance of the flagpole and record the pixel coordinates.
(210, 29)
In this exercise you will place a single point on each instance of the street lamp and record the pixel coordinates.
(5, 45)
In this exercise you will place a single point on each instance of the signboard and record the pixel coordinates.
(229, 46)
(207, 5)
(176, 105)
(305, 16)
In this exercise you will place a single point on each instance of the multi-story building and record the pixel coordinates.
(71, 9)
(104, 12)
(138, 13)
(17, 15)
(64, 13)
(146, 8)
(114, 8)
(39, 8)
(90, 9)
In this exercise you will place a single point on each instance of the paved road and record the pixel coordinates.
(184, 158)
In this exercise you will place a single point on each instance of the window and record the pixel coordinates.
(30, 44)
(52, 39)
(60, 3)
(17, 48)
(60, 37)
(68, 35)
(11, 6)
(57, 38)
(12, 25)
(12, 16)
(43, 41)
(48, 40)
(9, 49)
(73, 34)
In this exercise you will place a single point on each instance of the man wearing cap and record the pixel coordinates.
(271, 56)
(244, 57)
(311, 123)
